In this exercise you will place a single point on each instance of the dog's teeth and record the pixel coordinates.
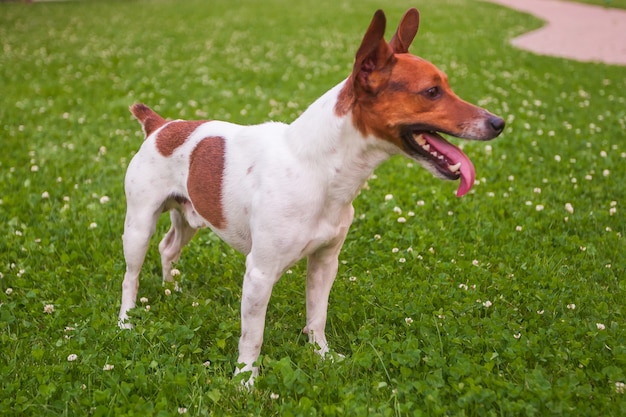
(426, 147)
(455, 168)
(440, 157)
(421, 141)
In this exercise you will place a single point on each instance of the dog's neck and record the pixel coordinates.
(334, 148)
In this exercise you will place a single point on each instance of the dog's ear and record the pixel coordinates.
(373, 56)
(407, 29)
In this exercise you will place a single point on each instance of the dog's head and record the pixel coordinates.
(406, 100)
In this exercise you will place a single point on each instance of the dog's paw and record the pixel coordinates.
(333, 356)
(124, 324)
(246, 376)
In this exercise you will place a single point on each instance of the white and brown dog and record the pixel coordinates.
(279, 193)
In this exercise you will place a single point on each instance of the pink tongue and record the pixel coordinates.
(455, 155)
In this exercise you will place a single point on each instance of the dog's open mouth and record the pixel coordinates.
(448, 160)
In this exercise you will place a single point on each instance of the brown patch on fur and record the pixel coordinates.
(149, 119)
(206, 174)
(345, 99)
(174, 134)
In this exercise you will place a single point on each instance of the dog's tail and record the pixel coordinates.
(150, 120)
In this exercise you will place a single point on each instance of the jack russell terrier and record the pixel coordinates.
(279, 193)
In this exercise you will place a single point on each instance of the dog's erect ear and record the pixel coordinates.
(373, 55)
(407, 29)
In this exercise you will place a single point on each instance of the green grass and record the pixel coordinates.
(619, 4)
(465, 309)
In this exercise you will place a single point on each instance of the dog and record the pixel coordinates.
(279, 193)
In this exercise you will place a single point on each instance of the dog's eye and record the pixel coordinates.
(432, 93)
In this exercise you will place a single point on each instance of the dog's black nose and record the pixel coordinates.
(497, 124)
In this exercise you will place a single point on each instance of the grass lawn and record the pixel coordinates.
(508, 301)
(619, 4)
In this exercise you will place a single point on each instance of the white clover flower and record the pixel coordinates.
(518, 228)
(182, 410)
(352, 279)
(274, 396)
(389, 197)
(168, 292)
(408, 320)
(148, 307)
(108, 367)
(402, 260)
(93, 225)
(600, 326)
(401, 220)
(8, 291)
(143, 300)
(606, 173)
(557, 158)
(72, 357)
(540, 312)
(206, 364)
(571, 306)
(195, 304)
(539, 207)
(475, 262)
(48, 308)
(517, 335)
(34, 168)
(18, 233)
(397, 210)
(487, 304)
(569, 208)
(420, 203)
(395, 250)
(45, 194)
(104, 199)
(463, 286)
(620, 387)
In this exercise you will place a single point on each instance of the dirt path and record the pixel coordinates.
(574, 30)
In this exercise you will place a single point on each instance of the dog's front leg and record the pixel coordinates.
(321, 272)
(257, 289)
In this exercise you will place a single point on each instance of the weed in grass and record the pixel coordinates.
(509, 301)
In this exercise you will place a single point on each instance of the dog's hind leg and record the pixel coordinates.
(139, 227)
(171, 246)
